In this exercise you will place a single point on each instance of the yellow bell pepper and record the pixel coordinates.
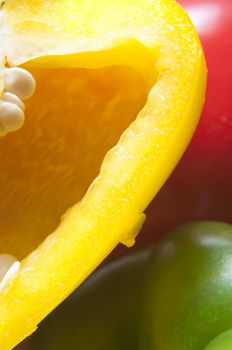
(119, 89)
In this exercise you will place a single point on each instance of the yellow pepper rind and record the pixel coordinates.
(112, 209)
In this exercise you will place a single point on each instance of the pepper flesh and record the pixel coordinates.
(154, 39)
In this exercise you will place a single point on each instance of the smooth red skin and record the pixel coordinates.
(201, 186)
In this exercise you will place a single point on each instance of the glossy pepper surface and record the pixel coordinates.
(188, 299)
(200, 187)
(120, 88)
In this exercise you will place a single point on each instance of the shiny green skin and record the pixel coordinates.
(188, 292)
(103, 314)
(222, 342)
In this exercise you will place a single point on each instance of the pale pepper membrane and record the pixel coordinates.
(119, 90)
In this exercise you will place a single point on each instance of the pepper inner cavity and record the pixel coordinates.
(74, 117)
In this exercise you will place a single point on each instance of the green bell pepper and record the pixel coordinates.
(175, 296)
(188, 293)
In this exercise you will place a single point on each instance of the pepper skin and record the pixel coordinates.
(187, 299)
(119, 91)
(200, 188)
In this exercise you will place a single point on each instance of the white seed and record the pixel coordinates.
(9, 97)
(6, 261)
(10, 274)
(11, 117)
(19, 82)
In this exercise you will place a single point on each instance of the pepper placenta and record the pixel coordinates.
(174, 296)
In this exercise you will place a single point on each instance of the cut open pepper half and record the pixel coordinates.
(119, 90)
